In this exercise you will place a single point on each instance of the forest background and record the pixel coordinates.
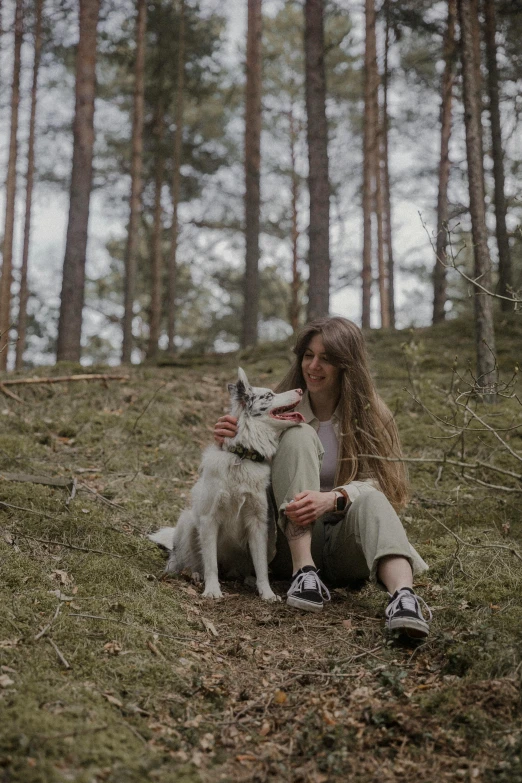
(411, 60)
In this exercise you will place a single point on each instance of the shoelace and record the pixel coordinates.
(408, 601)
(309, 580)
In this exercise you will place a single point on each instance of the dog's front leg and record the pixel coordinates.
(257, 542)
(208, 536)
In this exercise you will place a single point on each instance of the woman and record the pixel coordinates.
(335, 484)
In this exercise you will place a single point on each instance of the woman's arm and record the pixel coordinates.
(309, 505)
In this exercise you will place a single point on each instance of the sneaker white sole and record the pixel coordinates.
(417, 629)
(300, 603)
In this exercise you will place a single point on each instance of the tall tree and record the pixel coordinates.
(24, 291)
(387, 214)
(10, 192)
(295, 304)
(369, 155)
(504, 254)
(73, 285)
(176, 182)
(448, 77)
(318, 177)
(157, 236)
(378, 204)
(252, 172)
(484, 329)
(136, 181)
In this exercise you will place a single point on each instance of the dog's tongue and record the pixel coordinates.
(294, 416)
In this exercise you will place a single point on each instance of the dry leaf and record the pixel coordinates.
(210, 627)
(348, 624)
(152, 647)
(112, 648)
(5, 681)
(8, 643)
(8, 669)
(280, 697)
(328, 718)
(112, 699)
(61, 576)
(265, 728)
(246, 757)
(61, 596)
(207, 741)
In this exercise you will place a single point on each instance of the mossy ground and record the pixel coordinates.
(164, 686)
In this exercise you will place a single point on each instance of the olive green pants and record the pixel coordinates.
(346, 548)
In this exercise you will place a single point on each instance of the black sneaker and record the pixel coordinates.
(307, 591)
(404, 614)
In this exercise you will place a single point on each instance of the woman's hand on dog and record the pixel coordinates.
(308, 506)
(225, 427)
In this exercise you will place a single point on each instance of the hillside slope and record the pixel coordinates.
(111, 673)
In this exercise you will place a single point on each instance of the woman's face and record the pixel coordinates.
(321, 376)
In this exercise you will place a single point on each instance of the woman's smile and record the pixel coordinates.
(319, 373)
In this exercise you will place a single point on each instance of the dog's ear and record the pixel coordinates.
(240, 390)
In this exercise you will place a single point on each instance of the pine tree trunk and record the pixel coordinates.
(484, 329)
(504, 253)
(157, 236)
(176, 182)
(448, 77)
(318, 179)
(131, 249)
(295, 306)
(379, 211)
(252, 173)
(10, 193)
(24, 292)
(73, 285)
(369, 156)
(386, 176)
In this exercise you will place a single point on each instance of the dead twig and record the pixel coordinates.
(44, 630)
(478, 546)
(69, 546)
(132, 625)
(60, 655)
(50, 481)
(10, 394)
(64, 379)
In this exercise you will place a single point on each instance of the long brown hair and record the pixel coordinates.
(367, 425)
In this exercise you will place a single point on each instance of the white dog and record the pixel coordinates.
(229, 503)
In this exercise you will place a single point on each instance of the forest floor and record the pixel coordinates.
(111, 673)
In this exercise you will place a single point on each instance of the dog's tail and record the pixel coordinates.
(163, 537)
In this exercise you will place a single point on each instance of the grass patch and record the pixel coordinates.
(110, 673)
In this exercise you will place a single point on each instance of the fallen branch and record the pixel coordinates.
(131, 625)
(64, 379)
(10, 394)
(50, 481)
(67, 546)
(478, 546)
(60, 655)
(44, 630)
(442, 461)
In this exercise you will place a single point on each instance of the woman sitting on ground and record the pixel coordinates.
(335, 501)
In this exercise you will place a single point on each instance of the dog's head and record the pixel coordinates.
(256, 402)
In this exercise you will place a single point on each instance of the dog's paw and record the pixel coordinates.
(270, 597)
(213, 593)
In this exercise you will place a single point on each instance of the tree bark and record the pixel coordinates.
(448, 77)
(10, 193)
(318, 179)
(484, 329)
(379, 211)
(157, 236)
(386, 175)
(369, 155)
(504, 254)
(176, 183)
(295, 305)
(252, 173)
(131, 249)
(24, 292)
(73, 285)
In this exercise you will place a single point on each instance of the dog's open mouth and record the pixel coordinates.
(287, 413)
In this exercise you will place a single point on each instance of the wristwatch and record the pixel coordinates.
(341, 500)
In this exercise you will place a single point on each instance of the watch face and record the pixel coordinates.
(341, 503)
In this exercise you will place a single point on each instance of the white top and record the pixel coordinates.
(328, 438)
